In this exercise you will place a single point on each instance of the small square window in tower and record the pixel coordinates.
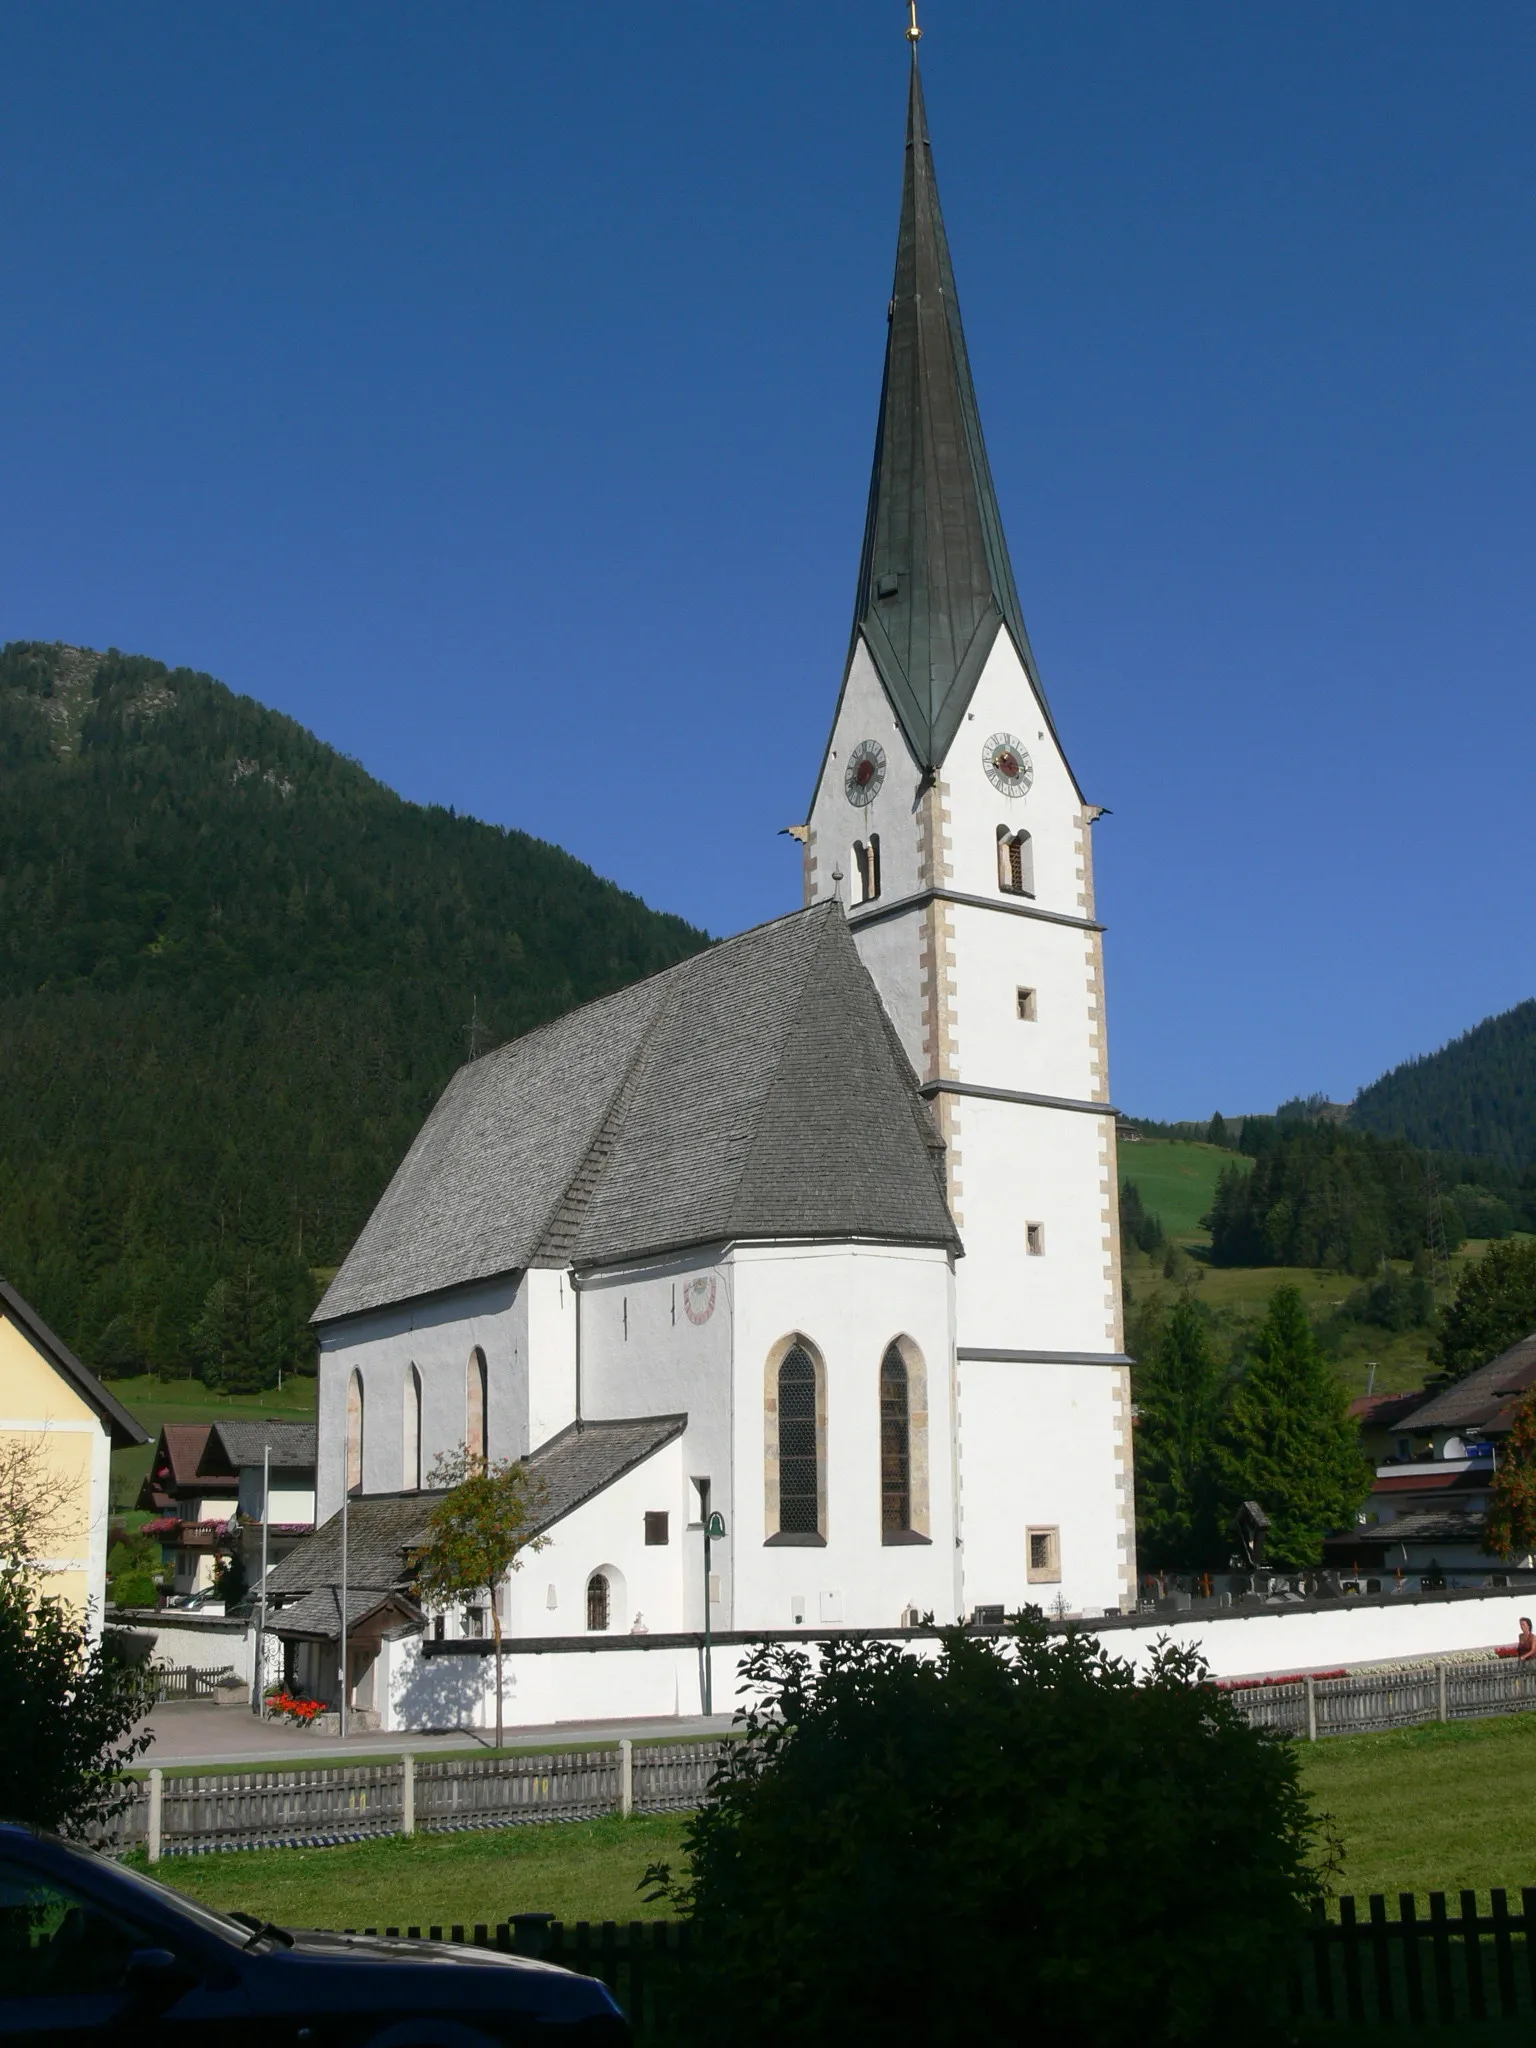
(656, 1525)
(1026, 1006)
(1034, 1240)
(1044, 1555)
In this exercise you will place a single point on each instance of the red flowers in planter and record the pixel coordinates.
(292, 1708)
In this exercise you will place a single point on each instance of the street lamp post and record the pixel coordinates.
(714, 1532)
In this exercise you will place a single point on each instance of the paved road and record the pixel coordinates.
(188, 1732)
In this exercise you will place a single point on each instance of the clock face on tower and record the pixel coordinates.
(1008, 766)
(865, 773)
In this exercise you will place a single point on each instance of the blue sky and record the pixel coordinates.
(493, 389)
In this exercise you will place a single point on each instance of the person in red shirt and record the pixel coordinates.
(1525, 1648)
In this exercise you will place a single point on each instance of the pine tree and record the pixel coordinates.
(1511, 1525)
(1288, 1441)
(1217, 1134)
(1179, 1388)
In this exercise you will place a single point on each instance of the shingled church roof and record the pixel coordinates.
(755, 1091)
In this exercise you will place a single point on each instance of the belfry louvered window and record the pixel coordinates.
(798, 1509)
(1015, 862)
(895, 1443)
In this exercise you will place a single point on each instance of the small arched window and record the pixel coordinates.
(599, 1601)
(895, 1443)
(798, 1503)
(354, 1431)
(474, 1433)
(866, 869)
(1015, 862)
(410, 1461)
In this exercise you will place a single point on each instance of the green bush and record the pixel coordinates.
(67, 1710)
(1021, 1840)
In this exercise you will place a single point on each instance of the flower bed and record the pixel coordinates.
(285, 1706)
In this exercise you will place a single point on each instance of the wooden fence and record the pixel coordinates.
(346, 1803)
(1312, 1707)
(1440, 1967)
(188, 1681)
(639, 1960)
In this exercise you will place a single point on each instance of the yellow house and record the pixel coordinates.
(58, 1429)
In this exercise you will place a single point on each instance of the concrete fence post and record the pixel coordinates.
(408, 1793)
(626, 1776)
(1311, 1684)
(1445, 1712)
(156, 1808)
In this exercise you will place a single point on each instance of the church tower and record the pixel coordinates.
(948, 820)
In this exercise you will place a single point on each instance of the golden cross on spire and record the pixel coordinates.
(914, 33)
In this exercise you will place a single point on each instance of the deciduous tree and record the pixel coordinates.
(476, 1535)
(1495, 1306)
(1511, 1524)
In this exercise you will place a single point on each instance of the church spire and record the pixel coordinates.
(935, 582)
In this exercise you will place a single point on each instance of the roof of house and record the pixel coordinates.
(120, 1425)
(1446, 1526)
(757, 1090)
(1473, 1481)
(181, 1465)
(1381, 1411)
(384, 1529)
(319, 1613)
(935, 581)
(1485, 1399)
(292, 1444)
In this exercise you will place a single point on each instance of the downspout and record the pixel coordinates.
(576, 1302)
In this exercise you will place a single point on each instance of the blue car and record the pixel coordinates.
(91, 1952)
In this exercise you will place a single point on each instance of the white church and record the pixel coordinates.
(816, 1232)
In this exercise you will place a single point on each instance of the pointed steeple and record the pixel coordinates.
(935, 583)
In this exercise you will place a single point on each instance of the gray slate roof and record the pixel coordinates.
(1485, 1399)
(319, 1614)
(935, 581)
(293, 1445)
(754, 1091)
(384, 1529)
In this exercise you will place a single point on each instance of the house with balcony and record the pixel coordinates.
(214, 1488)
(1427, 1508)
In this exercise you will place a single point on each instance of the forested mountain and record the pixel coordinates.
(235, 971)
(1475, 1096)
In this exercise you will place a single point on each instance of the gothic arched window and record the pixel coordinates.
(598, 1602)
(895, 1443)
(799, 1492)
(474, 1433)
(410, 1460)
(1015, 862)
(354, 1431)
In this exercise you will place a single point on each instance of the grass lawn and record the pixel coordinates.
(1432, 1808)
(1176, 1181)
(577, 1870)
(152, 1402)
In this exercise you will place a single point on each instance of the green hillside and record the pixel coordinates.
(1475, 1096)
(1176, 1181)
(235, 971)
